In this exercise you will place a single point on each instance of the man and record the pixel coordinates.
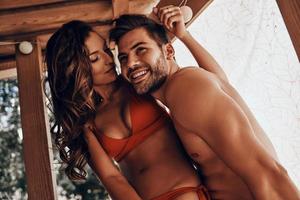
(217, 129)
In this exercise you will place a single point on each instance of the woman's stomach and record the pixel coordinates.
(159, 165)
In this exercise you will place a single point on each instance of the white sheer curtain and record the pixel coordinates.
(250, 41)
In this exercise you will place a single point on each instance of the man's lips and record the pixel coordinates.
(138, 76)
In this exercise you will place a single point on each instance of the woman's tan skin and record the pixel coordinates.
(150, 171)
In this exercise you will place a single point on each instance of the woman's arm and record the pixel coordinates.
(112, 179)
(203, 58)
(172, 19)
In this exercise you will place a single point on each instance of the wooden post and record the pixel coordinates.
(37, 148)
(290, 10)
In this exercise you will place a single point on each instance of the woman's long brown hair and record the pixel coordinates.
(73, 100)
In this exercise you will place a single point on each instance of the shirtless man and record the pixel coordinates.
(216, 127)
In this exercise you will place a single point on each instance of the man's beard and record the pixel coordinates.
(157, 78)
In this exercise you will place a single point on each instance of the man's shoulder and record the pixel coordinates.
(190, 77)
(191, 83)
(187, 72)
(191, 91)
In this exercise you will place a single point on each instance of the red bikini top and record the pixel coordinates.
(146, 117)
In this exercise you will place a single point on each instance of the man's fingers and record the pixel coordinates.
(167, 13)
(160, 10)
(164, 10)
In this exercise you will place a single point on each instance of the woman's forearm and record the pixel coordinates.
(112, 179)
(119, 188)
(203, 58)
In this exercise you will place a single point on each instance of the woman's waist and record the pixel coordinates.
(151, 181)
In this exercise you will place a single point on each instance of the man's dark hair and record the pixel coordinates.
(126, 23)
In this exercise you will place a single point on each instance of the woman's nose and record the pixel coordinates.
(108, 58)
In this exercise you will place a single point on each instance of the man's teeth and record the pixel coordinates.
(139, 74)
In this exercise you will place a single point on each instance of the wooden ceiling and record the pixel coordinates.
(27, 19)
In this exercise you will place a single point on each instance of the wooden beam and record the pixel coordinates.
(120, 7)
(47, 19)
(290, 10)
(9, 4)
(146, 5)
(8, 73)
(37, 149)
(7, 64)
(7, 49)
(36, 20)
(7, 69)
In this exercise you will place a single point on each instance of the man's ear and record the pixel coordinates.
(170, 52)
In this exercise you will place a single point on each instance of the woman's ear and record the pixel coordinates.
(170, 52)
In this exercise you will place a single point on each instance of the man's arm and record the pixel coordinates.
(198, 103)
(115, 183)
(175, 24)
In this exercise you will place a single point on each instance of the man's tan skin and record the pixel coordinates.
(216, 127)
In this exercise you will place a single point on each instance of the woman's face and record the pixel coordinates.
(103, 67)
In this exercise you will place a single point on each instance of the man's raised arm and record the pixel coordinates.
(175, 24)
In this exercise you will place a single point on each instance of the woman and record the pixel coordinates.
(91, 104)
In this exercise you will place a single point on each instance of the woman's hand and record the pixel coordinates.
(171, 17)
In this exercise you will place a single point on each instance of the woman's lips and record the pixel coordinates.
(109, 69)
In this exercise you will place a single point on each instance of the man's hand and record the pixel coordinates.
(171, 17)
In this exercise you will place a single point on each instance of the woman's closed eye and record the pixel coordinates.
(94, 57)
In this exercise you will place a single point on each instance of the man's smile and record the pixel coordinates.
(138, 76)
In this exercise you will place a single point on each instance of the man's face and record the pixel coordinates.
(143, 62)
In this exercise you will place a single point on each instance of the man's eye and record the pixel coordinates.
(94, 58)
(122, 59)
(141, 49)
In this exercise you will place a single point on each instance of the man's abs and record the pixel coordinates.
(221, 181)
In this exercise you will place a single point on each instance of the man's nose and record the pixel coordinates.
(132, 62)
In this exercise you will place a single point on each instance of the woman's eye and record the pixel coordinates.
(94, 58)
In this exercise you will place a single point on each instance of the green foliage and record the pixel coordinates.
(12, 173)
(91, 189)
